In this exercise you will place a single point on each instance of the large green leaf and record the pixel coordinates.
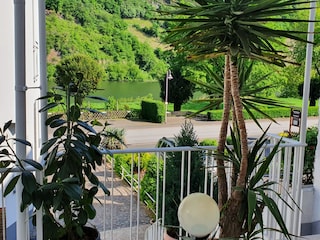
(48, 107)
(7, 125)
(59, 132)
(57, 123)
(264, 166)
(86, 126)
(2, 139)
(33, 163)
(5, 174)
(252, 201)
(273, 207)
(45, 148)
(74, 113)
(52, 118)
(103, 187)
(11, 185)
(22, 141)
(29, 182)
(51, 161)
(74, 191)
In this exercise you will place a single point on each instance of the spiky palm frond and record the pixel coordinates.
(238, 27)
(257, 191)
(249, 91)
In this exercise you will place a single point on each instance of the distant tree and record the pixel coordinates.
(83, 72)
(180, 90)
(314, 90)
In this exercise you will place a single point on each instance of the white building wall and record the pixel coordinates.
(7, 64)
(33, 81)
(7, 101)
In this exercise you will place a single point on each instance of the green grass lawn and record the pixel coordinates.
(194, 106)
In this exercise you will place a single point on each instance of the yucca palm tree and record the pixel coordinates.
(237, 29)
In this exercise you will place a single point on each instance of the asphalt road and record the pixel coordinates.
(140, 134)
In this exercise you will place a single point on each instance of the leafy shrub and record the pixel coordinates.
(186, 137)
(275, 112)
(113, 138)
(310, 151)
(125, 161)
(209, 142)
(152, 110)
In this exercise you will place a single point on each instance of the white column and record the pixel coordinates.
(316, 180)
(304, 114)
(20, 96)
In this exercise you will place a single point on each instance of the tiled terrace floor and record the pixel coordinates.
(121, 209)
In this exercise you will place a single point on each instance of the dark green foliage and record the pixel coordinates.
(180, 90)
(153, 111)
(9, 159)
(82, 72)
(81, 11)
(250, 93)
(149, 182)
(314, 90)
(186, 137)
(71, 156)
(257, 193)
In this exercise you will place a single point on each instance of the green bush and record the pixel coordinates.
(186, 137)
(153, 111)
(208, 142)
(309, 154)
(148, 169)
(149, 182)
(275, 112)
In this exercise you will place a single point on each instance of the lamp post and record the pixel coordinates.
(168, 77)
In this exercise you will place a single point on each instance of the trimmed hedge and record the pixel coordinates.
(276, 112)
(153, 111)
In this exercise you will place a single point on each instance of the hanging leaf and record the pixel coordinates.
(11, 185)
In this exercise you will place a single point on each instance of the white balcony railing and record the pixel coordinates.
(123, 215)
(286, 169)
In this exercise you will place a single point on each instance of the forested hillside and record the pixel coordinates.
(121, 37)
(97, 28)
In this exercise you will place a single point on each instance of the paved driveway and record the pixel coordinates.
(145, 134)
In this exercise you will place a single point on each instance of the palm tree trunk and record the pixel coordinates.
(232, 219)
(241, 181)
(222, 180)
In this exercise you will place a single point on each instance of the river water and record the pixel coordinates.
(129, 90)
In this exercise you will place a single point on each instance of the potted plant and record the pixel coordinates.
(10, 160)
(70, 185)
